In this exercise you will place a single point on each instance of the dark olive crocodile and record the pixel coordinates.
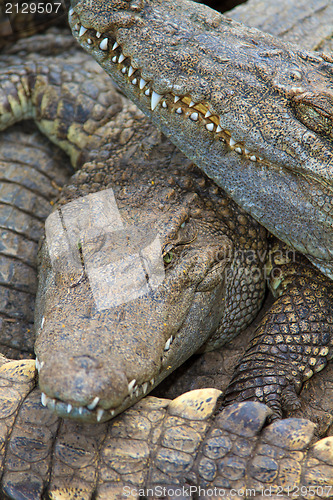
(28, 457)
(253, 112)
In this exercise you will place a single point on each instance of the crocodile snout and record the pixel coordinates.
(93, 391)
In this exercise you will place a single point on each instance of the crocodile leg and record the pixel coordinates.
(293, 341)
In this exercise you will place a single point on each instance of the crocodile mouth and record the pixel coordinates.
(200, 112)
(93, 412)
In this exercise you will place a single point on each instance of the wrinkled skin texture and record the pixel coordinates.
(272, 103)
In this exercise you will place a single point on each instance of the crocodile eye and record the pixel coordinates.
(315, 112)
(168, 257)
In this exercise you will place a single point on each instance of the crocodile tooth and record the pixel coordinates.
(232, 142)
(80, 410)
(137, 391)
(142, 83)
(134, 81)
(104, 44)
(164, 104)
(238, 150)
(194, 116)
(168, 343)
(82, 30)
(246, 151)
(131, 385)
(130, 71)
(121, 58)
(37, 364)
(93, 404)
(98, 34)
(115, 45)
(77, 26)
(44, 399)
(210, 127)
(42, 363)
(218, 129)
(89, 41)
(112, 412)
(253, 158)
(191, 104)
(51, 403)
(147, 92)
(124, 70)
(155, 99)
(100, 412)
(176, 98)
(114, 59)
(208, 114)
(42, 323)
(69, 408)
(145, 387)
(179, 111)
(152, 380)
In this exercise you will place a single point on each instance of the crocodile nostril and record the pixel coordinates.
(80, 379)
(85, 363)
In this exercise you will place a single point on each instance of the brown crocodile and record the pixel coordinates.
(253, 112)
(130, 339)
(156, 449)
(210, 266)
(15, 478)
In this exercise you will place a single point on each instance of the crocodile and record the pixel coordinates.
(209, 267)
(135, 327)
(157, 449)
(254, 112)
(18, 477)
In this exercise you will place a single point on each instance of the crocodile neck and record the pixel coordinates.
(253, 112)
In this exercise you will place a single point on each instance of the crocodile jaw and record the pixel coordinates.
(234, 100)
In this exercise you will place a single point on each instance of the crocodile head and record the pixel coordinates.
(106, 338)
(253, 112)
